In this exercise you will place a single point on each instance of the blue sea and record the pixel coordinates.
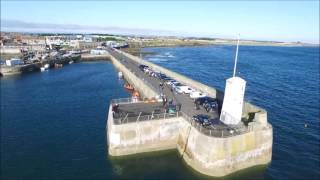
(53, 123)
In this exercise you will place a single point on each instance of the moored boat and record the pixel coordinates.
(46, 66)
(57, 65)
(135, 94)
(129, 87)
(120, 74)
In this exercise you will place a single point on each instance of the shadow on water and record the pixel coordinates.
(168, 164)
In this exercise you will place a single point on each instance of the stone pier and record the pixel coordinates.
(209, 152)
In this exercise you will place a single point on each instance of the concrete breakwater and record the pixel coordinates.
(88, 57)
(25, 68)
(9, 70)
(209, 152)
(19, 69)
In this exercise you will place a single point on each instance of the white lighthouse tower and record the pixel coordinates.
(233, 97)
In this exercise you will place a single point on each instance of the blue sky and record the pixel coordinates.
(275, 20)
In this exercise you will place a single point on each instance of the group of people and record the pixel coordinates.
(170, 103)
(165, 101)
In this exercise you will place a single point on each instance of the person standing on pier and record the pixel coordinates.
(164, 101)
(161, 87)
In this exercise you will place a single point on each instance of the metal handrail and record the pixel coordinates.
(139, 118)
(220, 132)
(125, 100)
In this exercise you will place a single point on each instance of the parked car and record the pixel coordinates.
(162, 76)
(206, 122)
(210, 105)
(202, 100)
(176, 84)
(146, 70)
(201, 119)
(141, 67)
(170, 82)
(178, 89)
(197, 94)
(155, 75)
(167, 79)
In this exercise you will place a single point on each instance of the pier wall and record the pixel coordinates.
(144, 136)
(145, 90)
(87, 57)
(222, 156)
(213, 156)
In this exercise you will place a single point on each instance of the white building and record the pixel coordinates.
(74, 43)
(111, 43)
(79, 36)
(87, 38)
(53, 40)
(13, 62)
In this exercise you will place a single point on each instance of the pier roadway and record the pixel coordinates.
(187, 104)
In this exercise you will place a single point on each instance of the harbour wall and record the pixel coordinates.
(88, 57)
(140, 137)
(213, 156)
(11, 70)
(216, 156)
(145, 90)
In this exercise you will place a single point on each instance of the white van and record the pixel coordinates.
(186, 89)
(197, 94)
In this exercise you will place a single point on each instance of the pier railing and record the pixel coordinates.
(125, 100)
(217, 131)
(213, 131)
(133, 118)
